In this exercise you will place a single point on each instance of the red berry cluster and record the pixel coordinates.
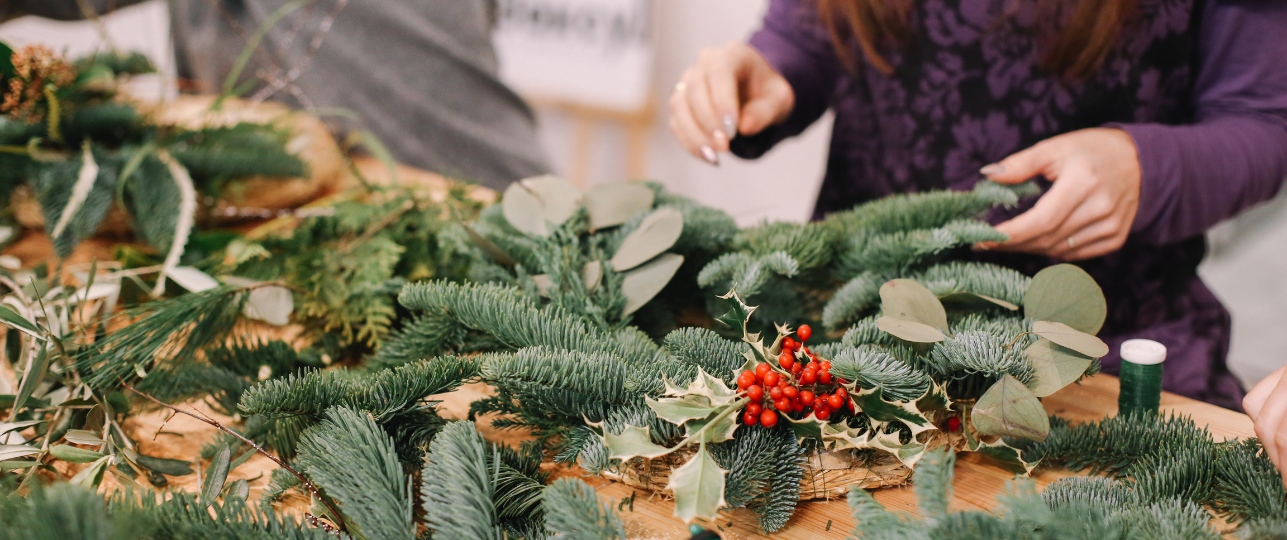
(794, 387)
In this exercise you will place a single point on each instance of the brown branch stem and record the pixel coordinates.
(215, 424)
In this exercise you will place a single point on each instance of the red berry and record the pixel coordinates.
(761, 370)
(796, 368)
(745, 380)
(771, 378)
(775, 393)
(835, 402)
(749, 418)
(841, 391)
(824, 377)
(808, 377)
(822, 413)
(814, 366)
(789, 344)
(783, 404)
(825, 364)
(769, 419)
(755, 392)
(804, 332)
(754, 408)
(797, 407)
(791, 392)
(953, 424)
(786, 359)
(806, 397)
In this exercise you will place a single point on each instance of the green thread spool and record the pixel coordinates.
(1141, 376)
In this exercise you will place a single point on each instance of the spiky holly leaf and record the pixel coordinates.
(717, 429)
(631, 443)
(1071, 338)
(1054, 366)
(698, 486)
(908, 454)
(680, 410)
(873, 403)
(808, 428)
(738, 314)
(1007, 457)
(1010, 409)
(704, 385)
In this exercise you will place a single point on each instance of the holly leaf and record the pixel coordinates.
(910, 330)
(1067, 294)
(631, 443)
(808, 428)
(1007, 457)
(698, 486)
(680, 410)
(738, 312)
(6, 62)
(908, 454)
(1071, 338)
(872, 402)
(908, 300)
(719, 431)
(1054, 366)
(1010, 409)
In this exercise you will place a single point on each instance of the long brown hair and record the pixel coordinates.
(1075, 53)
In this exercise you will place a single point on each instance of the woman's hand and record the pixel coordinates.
(1089, 210)
(731, 90)
(1266, 404)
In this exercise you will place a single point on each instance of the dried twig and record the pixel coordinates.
(215, 424)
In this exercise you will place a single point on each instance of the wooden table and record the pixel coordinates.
(976, 487)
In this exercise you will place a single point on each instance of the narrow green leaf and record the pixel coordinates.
(10, 317)
(171, 467)
(18, 426)
(90, 476)
(698, 486)
(215, 477)
(910, 331)
(1071, 338)
(12, 451)
(1067, 294)
(37, 365)
(17, 464)
(1054, 366)
(74, 454)
(655, 234)
(1009, 409)
(237, 491)
(80, 436)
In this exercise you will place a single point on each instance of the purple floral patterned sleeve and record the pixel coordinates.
(1235, 155)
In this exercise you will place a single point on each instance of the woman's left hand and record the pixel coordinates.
(1266, 404)
(1089, 210)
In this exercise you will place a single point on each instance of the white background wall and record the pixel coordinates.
(1248, 268)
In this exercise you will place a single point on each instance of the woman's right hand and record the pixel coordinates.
(732, 90)
(1266, 404)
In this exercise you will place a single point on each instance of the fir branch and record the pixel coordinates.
(457, 485)
(351, 458)
(1247, 486)
(871, 368)
(706, 349)
(574, 512)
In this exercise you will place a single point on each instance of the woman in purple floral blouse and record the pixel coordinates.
(1178, 121)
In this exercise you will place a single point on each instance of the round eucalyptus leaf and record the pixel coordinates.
(271, 304)
(655, 235)
(907, 300)
(643, 283)
(523, 210)
(1067, 294)
(1010, 409)
(976, 301)
(543, 284)
(1071, 338)
(559, 198)
(1054, 366)
(591, 275)
(910, 330)
(613, 204)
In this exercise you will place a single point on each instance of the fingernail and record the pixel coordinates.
(730, 126)
(992, 170)
(984, 246)
(709, 155)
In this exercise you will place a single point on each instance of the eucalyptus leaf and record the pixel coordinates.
(271, 304)
(559, 198)
(215, 477)
(522, 209)
(1054, 366)
(609, 205)
(643, 283)
(80, 436)
(1066, 294)
(698, 486)
(907, 300)
(543, 284)
(977, 300)
(90, 476)
(631, 443)
(1071, 338)
(74, 454)
(191, 279)
(655, 234)
(591, 275)
(910, 331)
(1010, 409)
(13, 451)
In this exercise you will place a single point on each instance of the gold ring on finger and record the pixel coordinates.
(1071, 244)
